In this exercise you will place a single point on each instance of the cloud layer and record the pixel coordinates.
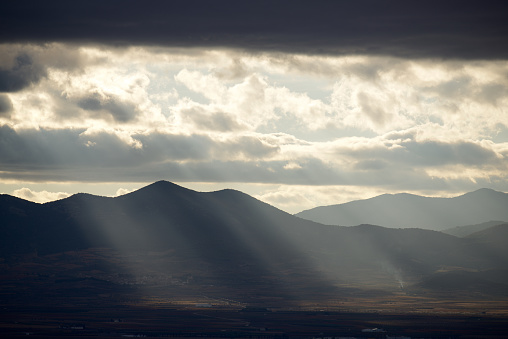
(140, 114)
(452, 29)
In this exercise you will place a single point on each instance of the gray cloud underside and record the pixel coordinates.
(450, 29)
(121, 112)
(5, 105)
(67, 148)
(317, 173)
(23, 73)
(430, 153)
(73, 155)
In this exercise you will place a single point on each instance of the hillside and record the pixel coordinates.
(493, 241)
(463, 231)
(172, 242)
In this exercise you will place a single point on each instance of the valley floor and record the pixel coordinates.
(105, 321)
(132, 313)
(97, 293)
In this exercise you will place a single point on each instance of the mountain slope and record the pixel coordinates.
(227, 239)
(166, 232)
(492, 241)
(407, 210)
(463, 231)
(17, 219)
(164, 215)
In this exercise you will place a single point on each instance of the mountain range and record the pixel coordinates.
(170, 241)
(412, 211)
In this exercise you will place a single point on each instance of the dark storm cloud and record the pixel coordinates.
(457, 29)
(23, 73)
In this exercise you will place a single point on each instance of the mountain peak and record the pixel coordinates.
(163, 183)
(79, 198)
(485, 190)
(160, 187)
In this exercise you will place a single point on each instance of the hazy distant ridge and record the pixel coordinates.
(408, 211)
(464, 231)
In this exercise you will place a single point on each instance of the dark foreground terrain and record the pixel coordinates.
(105, 321)
(101, 293)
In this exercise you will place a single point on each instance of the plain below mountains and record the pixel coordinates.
(412, 211)
(227, 244)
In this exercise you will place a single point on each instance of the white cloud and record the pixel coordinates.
(253, 100)
(39, 196)
(296, 198)
(370, 93)
(207, 85)
(122, 191)
(292, 165)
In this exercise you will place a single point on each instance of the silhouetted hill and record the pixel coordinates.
(226, 237)
(165, 215)
(18, 219)
(165, 235)
(463, 231)
(407, 210)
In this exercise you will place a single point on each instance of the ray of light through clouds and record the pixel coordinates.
(294, 126)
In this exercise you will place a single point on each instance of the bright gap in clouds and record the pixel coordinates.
(293, 130)
(39, 197)
(46, 192)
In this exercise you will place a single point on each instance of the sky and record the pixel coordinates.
(298, 103)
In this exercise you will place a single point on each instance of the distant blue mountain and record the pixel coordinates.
(412, 211)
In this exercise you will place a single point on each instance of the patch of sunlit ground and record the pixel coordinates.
(389, 304)
(405, 304)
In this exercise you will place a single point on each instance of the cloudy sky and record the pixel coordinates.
(298, 103)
